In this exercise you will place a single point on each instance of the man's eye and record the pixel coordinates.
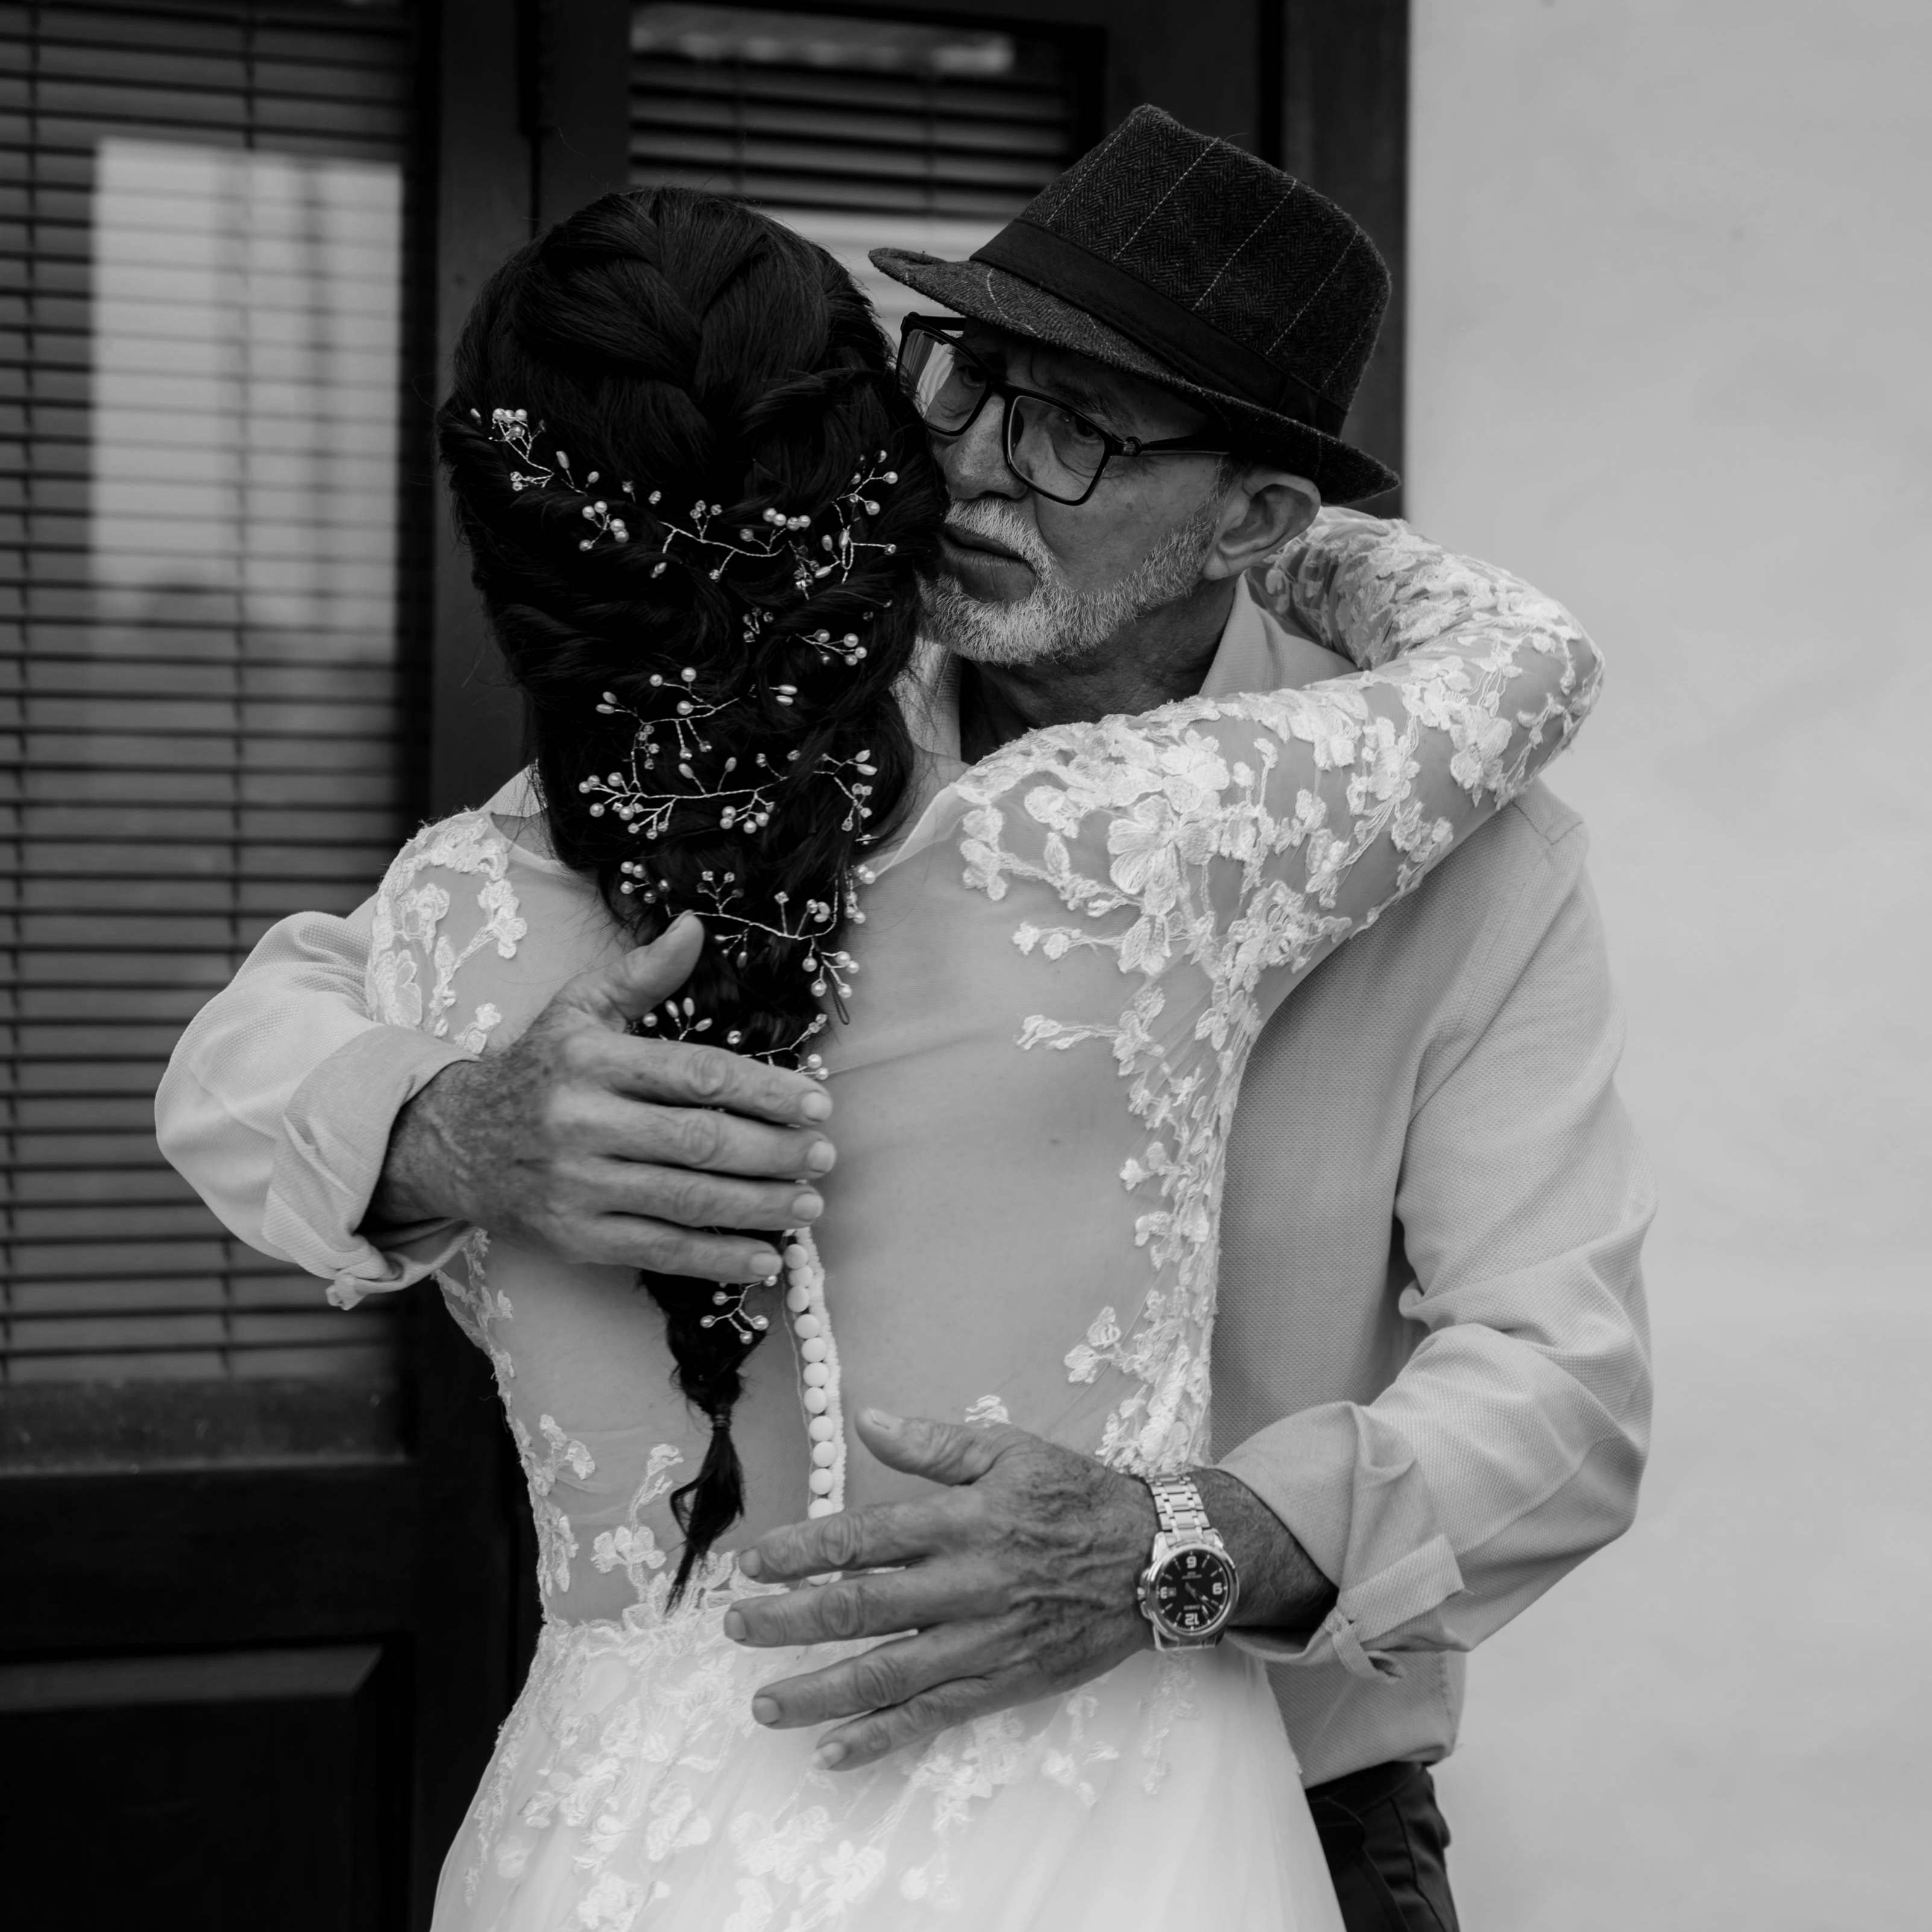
(1073, 432)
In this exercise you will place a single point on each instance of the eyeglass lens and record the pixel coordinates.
(1053, 449)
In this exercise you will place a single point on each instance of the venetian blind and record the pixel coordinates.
(860, 133)
(207, 715)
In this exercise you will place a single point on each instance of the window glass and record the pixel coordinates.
(209, 722)
(861, 133)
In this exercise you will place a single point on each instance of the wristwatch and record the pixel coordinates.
(1189, 1589)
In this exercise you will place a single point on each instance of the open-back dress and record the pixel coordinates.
(1065, 959)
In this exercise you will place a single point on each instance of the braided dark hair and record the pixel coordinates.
(693, 379)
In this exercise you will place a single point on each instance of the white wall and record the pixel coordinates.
(1671, 353)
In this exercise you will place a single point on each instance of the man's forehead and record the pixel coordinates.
(1109, 394)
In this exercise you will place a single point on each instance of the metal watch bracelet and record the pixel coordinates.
(1176, 1502)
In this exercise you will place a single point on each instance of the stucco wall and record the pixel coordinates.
(1670, 357)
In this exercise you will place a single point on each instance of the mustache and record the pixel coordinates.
(988, 516)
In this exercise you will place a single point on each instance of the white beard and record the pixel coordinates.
(1054, 623)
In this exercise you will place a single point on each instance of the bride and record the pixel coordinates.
(698, 506)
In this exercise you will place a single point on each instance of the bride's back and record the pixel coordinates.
(975, 1228)
(985, 1244)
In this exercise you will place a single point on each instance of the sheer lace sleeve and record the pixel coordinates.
(446, 897)
(1170, 877)
(1370, 589)
(1255, 833)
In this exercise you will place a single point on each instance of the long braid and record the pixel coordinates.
(677, 343)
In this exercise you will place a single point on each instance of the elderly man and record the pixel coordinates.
(1431, 1382)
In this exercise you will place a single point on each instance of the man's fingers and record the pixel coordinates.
(888, 1676)
(876, 1604)
(864, 1539)
(869, 1738)
(687, 1199)
(699, 1138)
(678, 1073)
(619, 1241)
(942, 1452)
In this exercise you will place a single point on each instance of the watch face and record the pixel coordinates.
(1193, 1591)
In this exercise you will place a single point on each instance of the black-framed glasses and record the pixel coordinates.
(1051, 447)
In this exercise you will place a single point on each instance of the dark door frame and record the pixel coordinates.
(1342, 103)
(534, 105)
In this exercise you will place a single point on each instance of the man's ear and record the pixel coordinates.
(1265, 508)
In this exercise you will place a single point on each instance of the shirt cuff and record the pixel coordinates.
(1364, 1614)
(1348, 1486)
(335, 1138)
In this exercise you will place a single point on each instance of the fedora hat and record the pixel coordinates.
(1182, 259)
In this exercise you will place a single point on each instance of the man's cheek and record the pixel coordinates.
(1091, 553)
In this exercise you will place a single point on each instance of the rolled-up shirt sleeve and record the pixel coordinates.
(1510, 1443)
(277, 1104)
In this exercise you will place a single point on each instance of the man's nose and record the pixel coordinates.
(974, 462)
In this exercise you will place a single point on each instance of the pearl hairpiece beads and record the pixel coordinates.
(728, 1307)
(837, 555)
(741, 798)
(778, 534)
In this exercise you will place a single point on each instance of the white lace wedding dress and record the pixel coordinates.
(1066, 960)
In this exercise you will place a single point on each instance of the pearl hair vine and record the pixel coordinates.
(635, 799)
(727, 796)
(733, 799)
(830, 969)
(780, 535)
(728, 1307)
(743, 800)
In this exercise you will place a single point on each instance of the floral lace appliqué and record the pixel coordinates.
(406, 934)
(628, 1775)
(1172, 841)
(633, 1546)
(556, 1544)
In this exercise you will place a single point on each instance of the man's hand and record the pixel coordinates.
(605, 1146)
(1018, 1579)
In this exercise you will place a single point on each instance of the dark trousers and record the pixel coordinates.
(1387, 1847)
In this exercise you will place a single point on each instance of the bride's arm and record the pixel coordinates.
(1369, 589)
(1252, 834)
(1479, 683)
(1481, 677)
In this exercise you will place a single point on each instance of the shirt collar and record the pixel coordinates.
(1252, 653)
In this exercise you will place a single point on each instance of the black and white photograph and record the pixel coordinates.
(962, 965)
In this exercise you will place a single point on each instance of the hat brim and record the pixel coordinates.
(1342, 473)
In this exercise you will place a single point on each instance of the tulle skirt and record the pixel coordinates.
(630, 1792)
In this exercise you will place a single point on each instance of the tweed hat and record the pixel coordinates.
(1183, 259)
